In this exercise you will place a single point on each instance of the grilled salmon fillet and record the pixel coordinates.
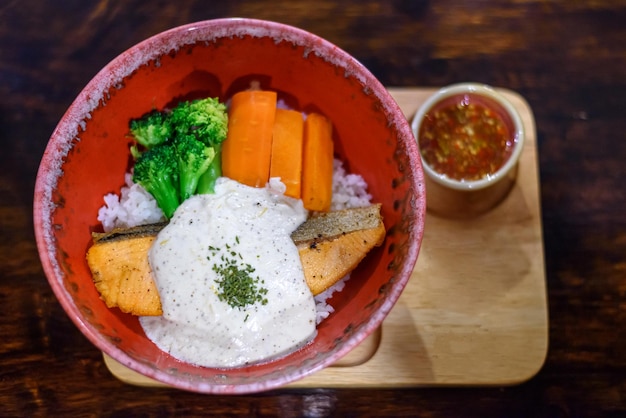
(330, 246)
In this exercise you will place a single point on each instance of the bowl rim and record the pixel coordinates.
(480, 90)
(69, 127)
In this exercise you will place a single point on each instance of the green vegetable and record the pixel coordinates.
(206, 119)
(151, 129)
(192, 133)
(156, 170)
(206, 182)
(194, 159)
(238, 286)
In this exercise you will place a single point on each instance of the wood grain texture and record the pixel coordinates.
(567, 58)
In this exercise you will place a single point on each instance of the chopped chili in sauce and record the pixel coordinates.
(465, 139)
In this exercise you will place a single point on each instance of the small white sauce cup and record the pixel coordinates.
(467, 198)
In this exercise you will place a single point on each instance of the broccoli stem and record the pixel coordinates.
(206, 182)
(165, 193)
(156, 171)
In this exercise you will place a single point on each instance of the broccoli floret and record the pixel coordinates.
(151, 129)
(157, 171)
(194, 159)
(182, 153)
(206, 119)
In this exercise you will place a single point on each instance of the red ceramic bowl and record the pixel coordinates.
(88, 155)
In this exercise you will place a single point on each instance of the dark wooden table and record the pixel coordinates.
(566, 57)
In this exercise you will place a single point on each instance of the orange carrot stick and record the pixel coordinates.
(286, 161)
(317, 164)
(246, 152)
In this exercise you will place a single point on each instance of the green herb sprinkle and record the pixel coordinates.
(238, 286)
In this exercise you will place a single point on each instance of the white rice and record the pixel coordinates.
(349, 190)
(135, 206)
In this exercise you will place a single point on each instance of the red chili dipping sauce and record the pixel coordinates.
(466, 137)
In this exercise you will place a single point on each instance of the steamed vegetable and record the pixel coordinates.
(264, 141)
(156, 170)
(247, 150)
(286, 160)
(205, 119)
(151, 129)
(178, 152)
(317, 165)
(193, 159)
(251, 143)
(206, 182)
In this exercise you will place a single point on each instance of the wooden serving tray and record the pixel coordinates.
(475, 309)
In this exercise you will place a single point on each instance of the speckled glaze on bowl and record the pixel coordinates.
(88, 155)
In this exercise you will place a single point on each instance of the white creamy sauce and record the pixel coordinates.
(245, 226)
